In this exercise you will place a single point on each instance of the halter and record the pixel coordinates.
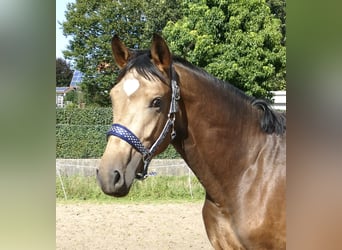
(147, 154)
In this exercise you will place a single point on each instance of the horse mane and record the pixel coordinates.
(226, 86)
(271, 121)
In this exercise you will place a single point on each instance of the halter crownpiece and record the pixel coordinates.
(147, 154)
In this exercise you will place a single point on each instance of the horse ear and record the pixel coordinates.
(160, 53)
(120, 52)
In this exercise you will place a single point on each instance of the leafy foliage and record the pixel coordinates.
(236, 41)
(80, 133)
(92, 23)
(63, 73)
(87, 116)
(278, 9)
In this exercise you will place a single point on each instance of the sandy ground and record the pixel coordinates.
(130, 226)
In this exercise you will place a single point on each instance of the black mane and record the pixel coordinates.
(271, 122)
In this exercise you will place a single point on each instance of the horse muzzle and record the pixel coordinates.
(112, 182)
(115, 177)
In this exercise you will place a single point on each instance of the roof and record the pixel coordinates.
(63, 90)
(76, 79)
(74, 84)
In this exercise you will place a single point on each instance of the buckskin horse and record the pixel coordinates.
(234, 144)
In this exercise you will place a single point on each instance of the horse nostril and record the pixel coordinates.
(116, 177)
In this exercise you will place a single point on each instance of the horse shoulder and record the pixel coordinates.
(219, 227)
(261, 200)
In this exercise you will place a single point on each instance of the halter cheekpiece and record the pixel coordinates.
(147, 154)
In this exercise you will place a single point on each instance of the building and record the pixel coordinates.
(62, 91)
(279, 98)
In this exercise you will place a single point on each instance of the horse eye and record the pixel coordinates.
(156, 103)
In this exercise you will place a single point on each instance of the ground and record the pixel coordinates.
(130, 226)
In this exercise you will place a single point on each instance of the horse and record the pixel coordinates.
(235, 144)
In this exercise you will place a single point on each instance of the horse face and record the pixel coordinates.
(141, 106)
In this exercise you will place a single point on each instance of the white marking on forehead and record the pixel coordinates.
(130, 86)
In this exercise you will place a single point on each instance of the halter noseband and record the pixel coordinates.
(147, 154)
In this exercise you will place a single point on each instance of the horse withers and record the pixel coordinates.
(235, 144)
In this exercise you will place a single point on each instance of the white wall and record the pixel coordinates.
(279, 100)
(87, 167)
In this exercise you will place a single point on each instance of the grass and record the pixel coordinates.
(153, 189)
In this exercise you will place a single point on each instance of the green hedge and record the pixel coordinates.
(86, 116)
(81, 133)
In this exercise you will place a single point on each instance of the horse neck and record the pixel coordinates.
(217, 129)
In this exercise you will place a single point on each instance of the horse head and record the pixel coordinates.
(143, 102)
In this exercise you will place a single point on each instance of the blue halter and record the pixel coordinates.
(147, 154)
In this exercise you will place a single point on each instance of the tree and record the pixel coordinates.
(158, 13)
(278, 9)
(63, 73)
(236, 41)
(91, 25)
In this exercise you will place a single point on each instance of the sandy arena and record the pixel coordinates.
(130, 226)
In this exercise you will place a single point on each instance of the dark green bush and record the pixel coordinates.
(81, 133)
(86, 116)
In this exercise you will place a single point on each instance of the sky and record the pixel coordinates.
(61, 40)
